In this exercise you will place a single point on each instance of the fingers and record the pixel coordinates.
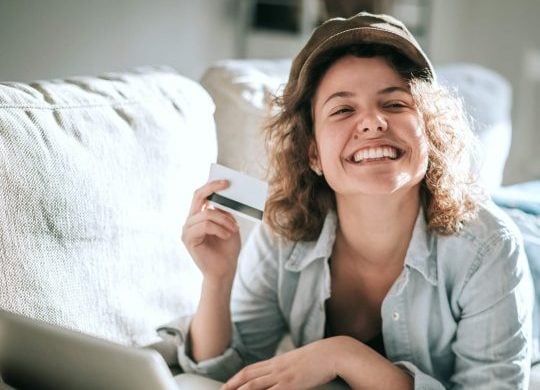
(256, 376)
(216, 216)
(263, 382)
(200, 231)
(208, 222)
(200, 195)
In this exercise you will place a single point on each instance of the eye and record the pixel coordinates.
(396, 105)
(341, 111)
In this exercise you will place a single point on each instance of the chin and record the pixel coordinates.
(386, 187)
(378, 184)
(382, 189)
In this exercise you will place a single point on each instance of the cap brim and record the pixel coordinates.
(367, 35)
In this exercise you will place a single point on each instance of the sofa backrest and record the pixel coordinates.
(96, 178)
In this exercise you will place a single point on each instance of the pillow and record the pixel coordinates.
(242, 91)
(97, 176)
(487, 97)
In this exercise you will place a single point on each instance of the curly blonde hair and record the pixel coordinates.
(299, 200)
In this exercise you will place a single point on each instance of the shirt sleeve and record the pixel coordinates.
(422, 381)
(493, 339)
(219, 368)
(258, 325)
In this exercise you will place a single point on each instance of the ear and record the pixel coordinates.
(314, 161)
(313, 154)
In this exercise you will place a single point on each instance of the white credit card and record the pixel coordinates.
(245, 196)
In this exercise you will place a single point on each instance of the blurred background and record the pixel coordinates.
(43, 39)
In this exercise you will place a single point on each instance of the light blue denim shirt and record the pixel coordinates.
(458, 316)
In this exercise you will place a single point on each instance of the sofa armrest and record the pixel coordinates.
(97, 178)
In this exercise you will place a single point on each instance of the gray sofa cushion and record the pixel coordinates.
(96, 177)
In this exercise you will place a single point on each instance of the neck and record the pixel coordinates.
(376, 229)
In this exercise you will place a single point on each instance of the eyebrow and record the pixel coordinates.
(393, 89)
(343, 94)
(384, 91)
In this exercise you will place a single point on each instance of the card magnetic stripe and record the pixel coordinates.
(233, 204)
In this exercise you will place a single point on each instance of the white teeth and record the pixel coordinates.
(379, 152)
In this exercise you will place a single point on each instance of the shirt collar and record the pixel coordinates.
(422, 246)
(305, 252)
(418, 254)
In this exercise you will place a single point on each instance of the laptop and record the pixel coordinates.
(37, 355)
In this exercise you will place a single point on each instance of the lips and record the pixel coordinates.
(376, 153)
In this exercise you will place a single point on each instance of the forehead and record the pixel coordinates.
(350, 71)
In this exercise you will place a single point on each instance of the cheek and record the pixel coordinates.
(424, 156)
(417, 138)
(423, 148)
(330, 148)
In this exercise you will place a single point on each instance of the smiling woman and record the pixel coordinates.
(449, 192)
(377, 254)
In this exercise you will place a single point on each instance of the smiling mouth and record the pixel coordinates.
(379, 153)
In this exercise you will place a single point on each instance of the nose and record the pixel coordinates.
(372, 121)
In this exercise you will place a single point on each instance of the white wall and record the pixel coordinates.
(57, 38)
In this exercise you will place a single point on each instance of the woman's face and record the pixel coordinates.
(369, 138)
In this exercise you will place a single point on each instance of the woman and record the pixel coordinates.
(377, 253)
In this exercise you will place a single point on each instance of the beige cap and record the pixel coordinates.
(360, 28)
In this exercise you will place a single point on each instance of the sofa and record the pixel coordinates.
(97, 175)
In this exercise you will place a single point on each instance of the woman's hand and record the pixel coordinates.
(302, 368)
(211, 236)
(321, 362)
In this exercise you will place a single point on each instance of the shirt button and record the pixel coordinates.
(395, 316)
